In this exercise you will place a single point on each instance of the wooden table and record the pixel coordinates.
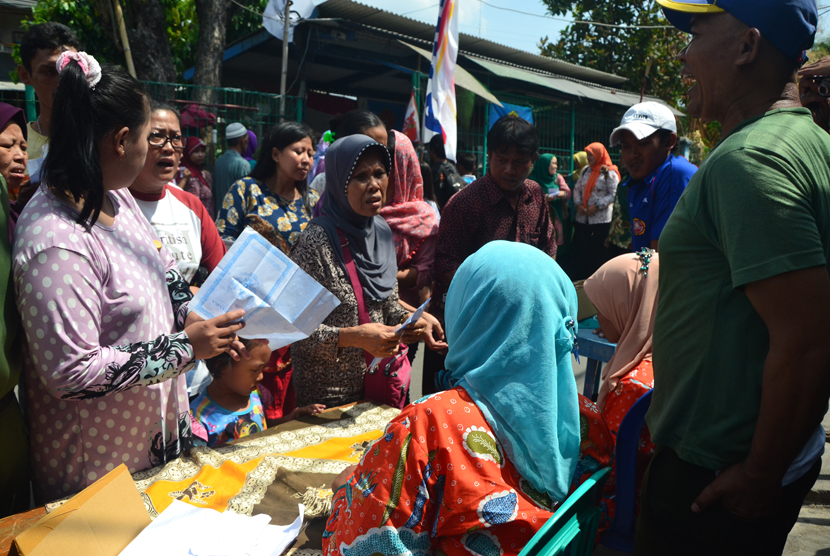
(265, 473)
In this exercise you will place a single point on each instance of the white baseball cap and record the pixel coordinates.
(235, 131)
(644, 119)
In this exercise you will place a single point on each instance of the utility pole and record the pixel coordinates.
(286, 27)
(119, 15)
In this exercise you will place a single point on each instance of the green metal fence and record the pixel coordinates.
(17, 97)
(206, 111)
(564, 127)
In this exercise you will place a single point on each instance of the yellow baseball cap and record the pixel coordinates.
(789, 25)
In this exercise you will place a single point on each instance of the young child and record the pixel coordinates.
(230, 407)
(466, 165)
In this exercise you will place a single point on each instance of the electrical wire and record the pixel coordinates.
(421, 9)
(253, 11)
(597, 23)
(302, 61)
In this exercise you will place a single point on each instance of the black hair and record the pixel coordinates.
(354, 122)
(81, 118)
(220, 363)
(156, 105)
(279, 137)
(429, 188)
(468, 162)
(46, 36)
(665, 136)
(436, 145)
(512, 131)
(235, 141)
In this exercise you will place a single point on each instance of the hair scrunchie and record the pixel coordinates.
(89, 65)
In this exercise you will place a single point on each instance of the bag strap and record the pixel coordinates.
(362, 313)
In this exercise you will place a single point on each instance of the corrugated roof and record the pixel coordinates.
(18, 4)
(463, 78)
(468, 44)
(566, 86)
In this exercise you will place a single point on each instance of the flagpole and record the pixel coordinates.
(286, 26)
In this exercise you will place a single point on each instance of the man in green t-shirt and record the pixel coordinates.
(741, 350)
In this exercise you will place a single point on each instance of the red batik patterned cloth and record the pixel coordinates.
(629, 389)
(438, 480)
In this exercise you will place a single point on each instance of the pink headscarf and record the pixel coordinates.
(626, 296)
(412, 220)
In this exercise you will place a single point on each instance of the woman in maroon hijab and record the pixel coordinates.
(13, 157)
(193, 178)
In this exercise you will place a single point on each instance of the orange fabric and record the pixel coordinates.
(210, 488)
(619, 401)
(601, 158)
(439, 480)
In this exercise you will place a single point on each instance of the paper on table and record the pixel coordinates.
(282, 303)
(185, 530)
(276, 538)
(414, 317)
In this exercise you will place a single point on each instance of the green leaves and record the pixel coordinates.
(626, 51)
(92, 20)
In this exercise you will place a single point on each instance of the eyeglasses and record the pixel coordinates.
(159, 140)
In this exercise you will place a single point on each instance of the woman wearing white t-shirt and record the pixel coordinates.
(179, 218)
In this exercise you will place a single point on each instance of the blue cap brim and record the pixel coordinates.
(680, 14)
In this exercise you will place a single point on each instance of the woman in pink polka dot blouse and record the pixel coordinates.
(104, 310)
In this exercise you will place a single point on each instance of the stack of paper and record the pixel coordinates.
(282, 303)
(185, 530)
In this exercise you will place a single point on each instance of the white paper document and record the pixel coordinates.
(414, 317)
(282, 303)
(185, 530)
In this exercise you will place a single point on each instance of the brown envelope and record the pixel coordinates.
(101, 520)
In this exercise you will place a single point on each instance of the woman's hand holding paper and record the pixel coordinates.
(214, 336)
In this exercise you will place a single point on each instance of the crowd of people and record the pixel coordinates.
(111, 223)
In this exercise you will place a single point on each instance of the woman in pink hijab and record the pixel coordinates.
(624, 291)
(414, 224)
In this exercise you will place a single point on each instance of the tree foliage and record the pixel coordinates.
(621, 51)
(627, 51)
(93, 21)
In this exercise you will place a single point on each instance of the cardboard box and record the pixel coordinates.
(101, 520)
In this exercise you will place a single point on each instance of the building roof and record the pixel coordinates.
(18, 4)
(468, 44)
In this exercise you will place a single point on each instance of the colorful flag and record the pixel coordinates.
(410, 121)
(496, 112)
(440, 111)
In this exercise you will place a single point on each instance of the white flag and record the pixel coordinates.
(440, 111)
(299, 10)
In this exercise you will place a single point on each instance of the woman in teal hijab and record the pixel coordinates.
(511, 324)
(546, 174)
(481, 467)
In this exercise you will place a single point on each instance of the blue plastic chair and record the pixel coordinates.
(621, 534)
(574, 524)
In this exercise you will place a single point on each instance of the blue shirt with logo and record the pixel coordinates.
(652, 200)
